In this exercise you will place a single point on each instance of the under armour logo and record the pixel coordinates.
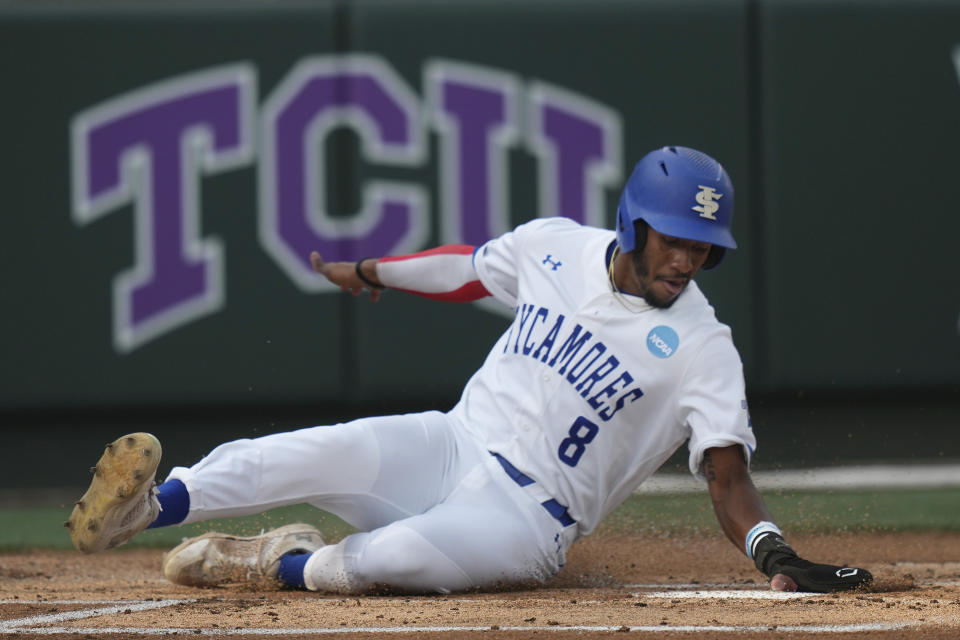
(846, 572)
(548, 260)
(707, 197)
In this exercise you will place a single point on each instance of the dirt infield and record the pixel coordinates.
(664, 587)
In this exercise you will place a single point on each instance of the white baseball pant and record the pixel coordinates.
(437, 513)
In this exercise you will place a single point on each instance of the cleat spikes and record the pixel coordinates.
(118, 503)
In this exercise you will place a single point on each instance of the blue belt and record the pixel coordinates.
(553, 507)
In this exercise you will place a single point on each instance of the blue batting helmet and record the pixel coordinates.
(680, 192)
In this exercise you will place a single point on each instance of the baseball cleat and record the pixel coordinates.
(218, 558)
(121, 501)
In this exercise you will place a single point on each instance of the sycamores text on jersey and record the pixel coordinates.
(604, 384)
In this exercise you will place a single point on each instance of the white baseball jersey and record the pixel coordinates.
(589, 397)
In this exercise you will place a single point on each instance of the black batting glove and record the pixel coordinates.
(773, 555)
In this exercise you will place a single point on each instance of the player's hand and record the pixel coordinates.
(342, 274)
(822, 578)
(790, 572)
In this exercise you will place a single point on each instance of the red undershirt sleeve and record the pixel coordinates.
(442, 273)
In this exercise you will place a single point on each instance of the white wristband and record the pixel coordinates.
(754, 535)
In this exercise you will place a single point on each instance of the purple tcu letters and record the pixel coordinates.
(149, 147)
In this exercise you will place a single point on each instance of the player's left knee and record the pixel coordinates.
(400, 557)
(395, 556)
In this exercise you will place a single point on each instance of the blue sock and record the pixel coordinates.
(174, 503)
(292, 565)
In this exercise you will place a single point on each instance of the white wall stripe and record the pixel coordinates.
(826, 478)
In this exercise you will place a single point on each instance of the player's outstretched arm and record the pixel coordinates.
(443, 273)
(745, 520)
(347, 275)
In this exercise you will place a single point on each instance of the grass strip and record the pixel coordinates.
(798, 511)
(653, 514)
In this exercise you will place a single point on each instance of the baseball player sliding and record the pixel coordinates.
(613, 360)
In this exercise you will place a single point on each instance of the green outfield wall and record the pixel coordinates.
(168, 166)
(860, 105)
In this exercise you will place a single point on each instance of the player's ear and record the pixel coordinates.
(640, 232)
(714, 257)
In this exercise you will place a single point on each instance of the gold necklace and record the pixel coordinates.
(630, 305)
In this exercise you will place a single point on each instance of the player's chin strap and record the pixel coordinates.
(772, 555)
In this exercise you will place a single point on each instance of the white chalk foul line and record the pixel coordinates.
(22, 625)
(737, 594)
(81, 602)
(699, 586)
(688, 585)
(847, 628)
(27, 626)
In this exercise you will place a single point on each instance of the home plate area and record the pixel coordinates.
(710, 610)
(663, 586)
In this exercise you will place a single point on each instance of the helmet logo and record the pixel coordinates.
(707, 197)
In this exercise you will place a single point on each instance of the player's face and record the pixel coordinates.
(665, 267)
